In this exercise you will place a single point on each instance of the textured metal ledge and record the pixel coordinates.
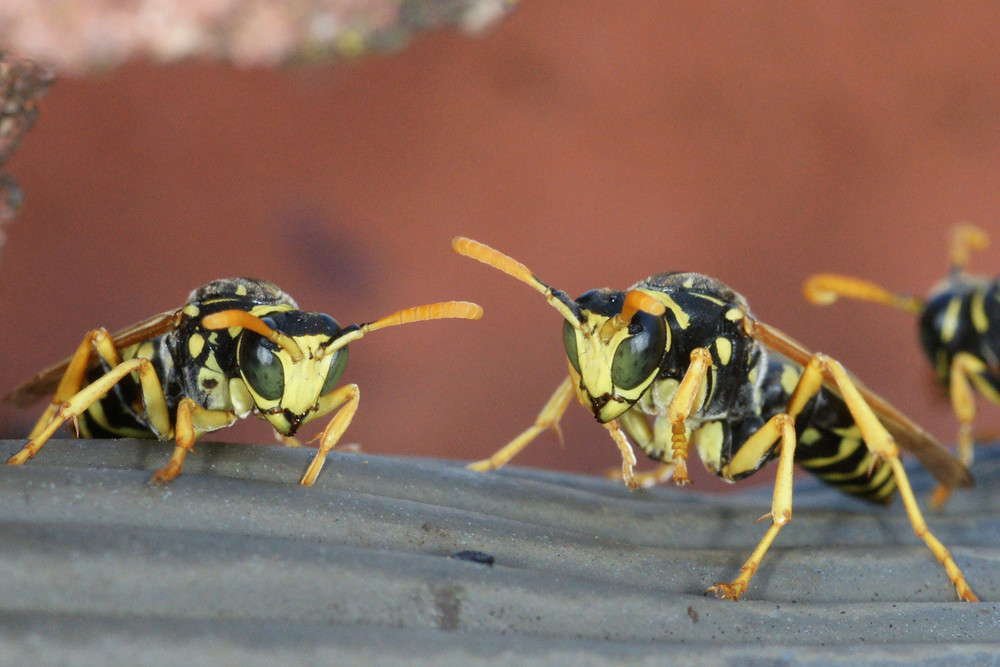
(236, 563)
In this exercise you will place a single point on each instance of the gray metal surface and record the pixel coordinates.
(234, 563)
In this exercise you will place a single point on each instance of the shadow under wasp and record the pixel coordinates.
(238, 347)
(683, 349)
(959, 327)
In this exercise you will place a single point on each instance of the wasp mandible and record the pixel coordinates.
(959, 327)
(683, 349)
(238, 347)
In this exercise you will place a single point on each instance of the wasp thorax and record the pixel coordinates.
(616, 349)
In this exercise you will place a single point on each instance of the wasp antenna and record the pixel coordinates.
(635, 301)
(241, 318)
(964, 239)
(824, 288)
(463, 310)
(492, 257)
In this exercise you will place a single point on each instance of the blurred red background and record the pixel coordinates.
(596, 142)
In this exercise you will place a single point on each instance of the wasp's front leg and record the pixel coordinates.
(548, 418)
(683, 403)
(650, 441)
(348, 396)
(192, 419)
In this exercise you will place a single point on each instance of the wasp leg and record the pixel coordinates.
(779, 427)
(153, 399)
(881, 443)
(637, 427)
(548, 418)
(348, 396)
(683, 403)
(966, 370)
(192, 420)
(73, 379)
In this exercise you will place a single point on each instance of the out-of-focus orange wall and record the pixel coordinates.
(596, 142)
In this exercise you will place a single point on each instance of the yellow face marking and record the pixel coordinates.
(724, 347)
(190, 310)
(241, 290)
(949, 323)
(593, 354)
(978, 312)
(734, 315)
(196, 343)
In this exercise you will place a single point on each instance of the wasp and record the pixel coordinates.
(238, 347)
(682, 350)
(958, 324)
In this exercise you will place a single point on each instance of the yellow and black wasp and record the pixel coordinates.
(683, 349)
(238, 347)
(959, 327)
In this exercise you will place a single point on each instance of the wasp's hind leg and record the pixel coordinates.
(75, 376)
(157, 415)
(882, 445)
(348, 396)
(548, 418)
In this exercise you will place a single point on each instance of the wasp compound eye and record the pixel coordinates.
(569, 341)
(638, 356)
(261, 368)
(337, 365)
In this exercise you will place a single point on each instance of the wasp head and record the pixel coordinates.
(615, 349)
(288, 361)
(615, 341)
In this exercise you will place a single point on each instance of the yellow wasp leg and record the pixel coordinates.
(748, 457)
(348, 396)
(637, 427)
(152, 392)
(965, 371)
(548, 418)
(682, 405)
(73, 379)
(881, 443)
(192, 419)
(628, 456)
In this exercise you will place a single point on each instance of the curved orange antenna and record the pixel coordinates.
(964, 239)
(241, 318)
(635, 301)
(492, 257)
(824, 288)
(463, 310)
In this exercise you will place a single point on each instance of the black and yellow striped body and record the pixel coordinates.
(746, 385)
(198, 363)
(962, 314)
